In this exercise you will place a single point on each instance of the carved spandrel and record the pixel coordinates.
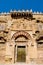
(18, 25)
(21, 24)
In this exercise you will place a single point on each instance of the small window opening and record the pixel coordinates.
(37, 31)
(38, 21)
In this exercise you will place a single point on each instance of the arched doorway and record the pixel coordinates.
(21, 39)
(21, 54)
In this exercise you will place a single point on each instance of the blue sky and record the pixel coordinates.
(7, 5)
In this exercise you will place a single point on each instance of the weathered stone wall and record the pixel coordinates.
(2, 52)
(9, 26)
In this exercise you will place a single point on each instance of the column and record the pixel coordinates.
(13, 54)
(16, 54)
(27, 54)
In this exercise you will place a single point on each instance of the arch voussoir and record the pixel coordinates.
(24, 33)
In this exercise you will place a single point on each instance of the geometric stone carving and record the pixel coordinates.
(2, 26)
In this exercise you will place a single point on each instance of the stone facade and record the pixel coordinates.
(21, 30)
